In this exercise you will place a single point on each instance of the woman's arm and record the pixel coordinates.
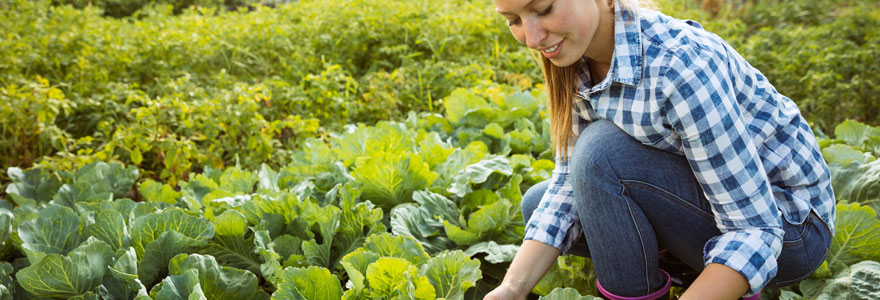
(530, 263)
(717, 281)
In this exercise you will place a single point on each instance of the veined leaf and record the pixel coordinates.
(109, 227)
(451, 274)
(389, 179)
(459, 102)
(858, 183)
(495, 253)
(157, 192)
(218, 282)
(36, 185)
(60, 276)
(857, 236)
(312, 283)
(403, 247)
(55, 231)
(567, 294)
(479, 173)
(397, 278)
(184, 286)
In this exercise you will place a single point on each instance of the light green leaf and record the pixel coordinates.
(56, 231)
(404, 247)
(230, 223)
(60, 276)
(112, 177)
(854, 133)
(109, 227)
(238, 181)
(451, 274)
(408, 220)
(496, 253)
(433, 149)
(356, 263)
(312, 283)
(218, 282)
(461, 101)
(494, 130)
(567, 294)
(843, 155)
(356, 223)
(479, 173)
(397, 278)
(385, 137)
(388, 179)
(157, 192)
(857, 236)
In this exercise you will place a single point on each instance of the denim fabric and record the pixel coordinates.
(633, 200)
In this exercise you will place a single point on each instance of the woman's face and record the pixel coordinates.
(562, 30)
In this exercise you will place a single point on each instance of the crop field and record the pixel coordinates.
(350, 149)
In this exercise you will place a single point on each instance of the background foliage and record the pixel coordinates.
(266, 141)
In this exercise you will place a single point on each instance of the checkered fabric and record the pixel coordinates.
(674, 86)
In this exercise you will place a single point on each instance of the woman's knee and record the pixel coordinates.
(597, 145)
(532, 198)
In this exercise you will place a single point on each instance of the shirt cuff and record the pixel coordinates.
(553, 228)
(751, 252)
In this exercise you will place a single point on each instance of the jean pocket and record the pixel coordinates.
(795, 233)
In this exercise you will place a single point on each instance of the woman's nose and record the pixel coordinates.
(535, 33)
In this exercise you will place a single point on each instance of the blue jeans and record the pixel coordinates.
(634, 199)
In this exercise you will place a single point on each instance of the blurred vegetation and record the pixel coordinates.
(174, 86)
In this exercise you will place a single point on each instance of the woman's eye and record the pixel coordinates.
(546, 11)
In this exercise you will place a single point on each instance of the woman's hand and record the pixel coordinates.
(528, 266)
(505, 292)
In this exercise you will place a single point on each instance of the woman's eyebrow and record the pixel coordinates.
(509, 13)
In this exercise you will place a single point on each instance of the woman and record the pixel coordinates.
(666, 138)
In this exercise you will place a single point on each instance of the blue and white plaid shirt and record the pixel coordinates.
(676, 87)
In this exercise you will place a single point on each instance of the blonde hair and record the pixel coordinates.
(560, 83)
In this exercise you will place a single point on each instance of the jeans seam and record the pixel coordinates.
(641, 239)
(669, 196)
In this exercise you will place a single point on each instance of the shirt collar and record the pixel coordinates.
(626, 62)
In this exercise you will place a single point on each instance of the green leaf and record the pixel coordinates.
(112, 177)
(857, 236)
(389, 179)
(184, 286)
(858, 281)
(385, 137)
(157, 192)
(858, 183)
(60, 276)
(496, 253)
(494, 130)
(478, 173)
(457, 161)
(854, 133)
(451, 274)
(397, 278)
(237, 181)
(36, 184)
(270, 267)
(433, 149)
(408, 220)
(230, 223)
(521, 100)
(312, 283)
(218, 282)
(121, 282)
(109, 227)
(843, 155)
(325, 219)
(404, 247)
(148, 228)
(356, 223)
(567, 294)
(355, 265)
(154, 263)
(461, 101)
(234, 251)
(55, 231)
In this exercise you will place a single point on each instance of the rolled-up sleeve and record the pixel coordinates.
(554, 222)
(701, 109)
